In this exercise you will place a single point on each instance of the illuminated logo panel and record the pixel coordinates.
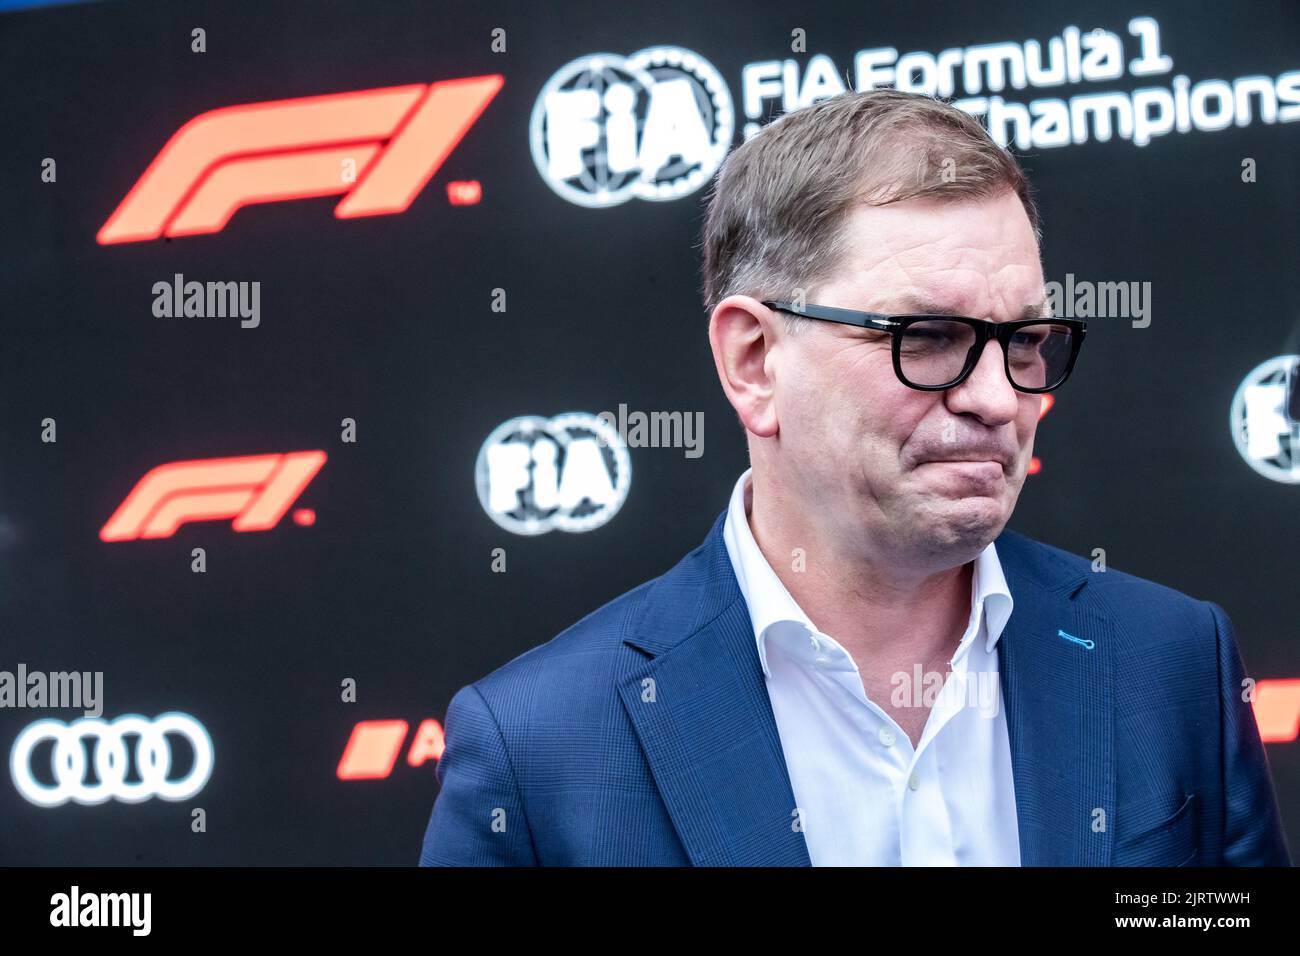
(571, 473)
(255, 491)
(1264, 422)
(1277, 710)
(108, 747)
(373, 749)
(379, 146)
(654, 125)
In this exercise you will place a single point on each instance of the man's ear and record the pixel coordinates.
(743, 334)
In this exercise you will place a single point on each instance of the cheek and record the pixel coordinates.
(854, 402)
(810, 406)
(1026, 429)
(890, 415)
(881, 404)
(1031, 410)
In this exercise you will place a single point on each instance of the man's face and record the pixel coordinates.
(929, 476)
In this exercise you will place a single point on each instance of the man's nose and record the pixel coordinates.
(987, 393)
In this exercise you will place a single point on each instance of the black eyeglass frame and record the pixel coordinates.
(984, 330)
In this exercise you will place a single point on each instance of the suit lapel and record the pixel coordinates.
(1058, 698)
(701, 712)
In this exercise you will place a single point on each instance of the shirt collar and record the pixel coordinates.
(770, 603)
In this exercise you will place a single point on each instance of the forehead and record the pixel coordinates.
(976, 257)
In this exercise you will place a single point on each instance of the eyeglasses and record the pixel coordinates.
(937, 352)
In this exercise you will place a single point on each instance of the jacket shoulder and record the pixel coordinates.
(589, 653)
(598, 632)
(1148, 607)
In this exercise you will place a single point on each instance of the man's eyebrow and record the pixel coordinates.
(915, 304)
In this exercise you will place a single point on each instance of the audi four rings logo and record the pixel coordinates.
(151, 743)
(655, 125)
(380, 147)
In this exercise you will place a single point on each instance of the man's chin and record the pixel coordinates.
(966, 524)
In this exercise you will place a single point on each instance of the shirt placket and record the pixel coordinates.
(925, 823)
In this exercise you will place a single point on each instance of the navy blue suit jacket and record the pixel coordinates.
(644, 735)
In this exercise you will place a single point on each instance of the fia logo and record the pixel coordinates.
(570, 472)
(655, 125)
(1264, 420)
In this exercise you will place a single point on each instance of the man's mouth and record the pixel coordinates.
(977, 471)
(964, 461)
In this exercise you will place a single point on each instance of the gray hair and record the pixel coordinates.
(778, 208)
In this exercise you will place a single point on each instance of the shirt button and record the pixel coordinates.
(823, 662)
(887, 738)
(913, 782)
(816, 646)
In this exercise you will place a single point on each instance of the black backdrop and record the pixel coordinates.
(388, 320)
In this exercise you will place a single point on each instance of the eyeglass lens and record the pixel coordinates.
(933, 352)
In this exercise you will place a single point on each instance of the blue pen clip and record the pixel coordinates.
(1078, 640)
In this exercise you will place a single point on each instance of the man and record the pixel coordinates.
(872, 267)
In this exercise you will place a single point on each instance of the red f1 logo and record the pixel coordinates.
(256, 491)
(373, 748)
(395, 139)
(1277, 710)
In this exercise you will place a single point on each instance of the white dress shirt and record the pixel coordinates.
(865, 796)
